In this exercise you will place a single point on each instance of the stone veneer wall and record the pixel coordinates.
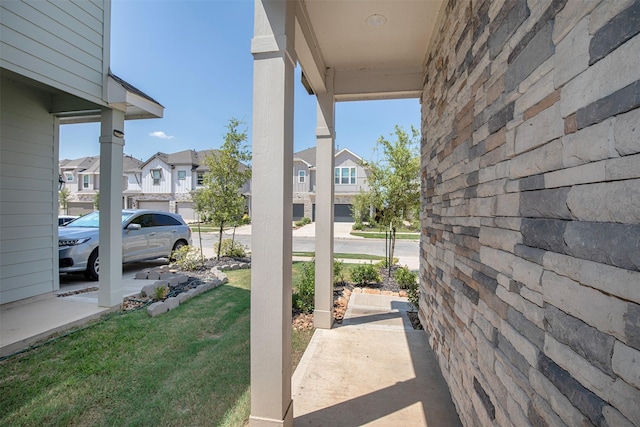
(530, 281)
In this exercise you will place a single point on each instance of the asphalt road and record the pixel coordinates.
(408, 248)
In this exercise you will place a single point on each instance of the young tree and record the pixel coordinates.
(221, 198)
(394, 180)
(64, 196)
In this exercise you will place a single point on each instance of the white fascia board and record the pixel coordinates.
(133, 105)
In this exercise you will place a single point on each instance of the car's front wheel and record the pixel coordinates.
(93, 266)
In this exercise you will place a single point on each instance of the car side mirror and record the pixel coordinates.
(133, 227)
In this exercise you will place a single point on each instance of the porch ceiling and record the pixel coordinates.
(370, 61)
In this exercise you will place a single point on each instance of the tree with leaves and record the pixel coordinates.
(394, 180)
(64, 196)
(221, 199)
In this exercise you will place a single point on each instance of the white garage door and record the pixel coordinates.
(154, 204)
(185, 209)
(80, 208)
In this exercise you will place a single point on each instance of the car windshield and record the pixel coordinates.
(93, 220)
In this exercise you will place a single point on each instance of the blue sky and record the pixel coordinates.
(194, 58)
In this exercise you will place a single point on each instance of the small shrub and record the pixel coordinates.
(338, 272)
(363, 274)
(187, 258)
(160, 293)
(383, 263)
(304, 297)
(303, 221)
(358, 226)
(413, 295)
(230, 248)
(246, 219)
(405, 277)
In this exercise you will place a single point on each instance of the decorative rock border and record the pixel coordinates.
(174, 278)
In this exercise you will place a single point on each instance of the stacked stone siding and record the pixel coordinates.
(530, 274)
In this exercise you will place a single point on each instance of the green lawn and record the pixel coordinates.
(189, 366)
(343, 256)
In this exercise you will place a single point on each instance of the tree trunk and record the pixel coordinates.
(393, 247)
(220, 239)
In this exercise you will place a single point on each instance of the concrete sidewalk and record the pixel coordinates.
(374, 370)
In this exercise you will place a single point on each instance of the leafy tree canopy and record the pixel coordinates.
(221, 199)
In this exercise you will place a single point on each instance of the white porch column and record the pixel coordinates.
(111, 150)
(325, 137)
(272, 182)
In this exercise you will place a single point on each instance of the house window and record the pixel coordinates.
(200, 178)
(182, 175)
(156, 174)
(68, 176)
(85, 181)
(301, 175)
(345, 175)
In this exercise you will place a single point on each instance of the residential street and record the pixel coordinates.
(304, 241)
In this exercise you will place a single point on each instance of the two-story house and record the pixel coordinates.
(81, 178)
(169, 179)
(350, 178)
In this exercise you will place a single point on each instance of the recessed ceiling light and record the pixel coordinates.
(376, 20)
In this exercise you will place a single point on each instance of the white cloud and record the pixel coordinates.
(160, 134)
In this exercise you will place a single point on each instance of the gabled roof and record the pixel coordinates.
(309, 155)
(81, 164)
(131, 164)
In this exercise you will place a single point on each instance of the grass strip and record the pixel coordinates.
(342, 256)
(189, 366)
(378, 235)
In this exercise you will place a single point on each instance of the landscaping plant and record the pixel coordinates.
(303, 297)
(363, 274)
(187, 258)
(338, 272)
(405, 277)
(230, 248)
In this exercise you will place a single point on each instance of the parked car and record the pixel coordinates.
(146, 234)
(65, 219)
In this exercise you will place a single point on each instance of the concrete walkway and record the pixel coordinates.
(373, 370)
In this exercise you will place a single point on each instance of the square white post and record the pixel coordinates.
(325, 159)
(110, 237)
(272, 186)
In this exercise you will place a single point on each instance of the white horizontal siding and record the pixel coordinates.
(28, 247)
(61, 44)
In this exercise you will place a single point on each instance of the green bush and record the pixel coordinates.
(246, 219)
(338, 272)
(187, 258)
(358, 226)
(408, 280)
(363, 274)
(230, 248)
(303, 298)
(413, 294)
(303, 221)
(405, 277)
(383, 263)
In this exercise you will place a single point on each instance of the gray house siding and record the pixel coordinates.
(57, 43)
(28, 182)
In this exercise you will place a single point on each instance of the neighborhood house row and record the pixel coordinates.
(165, 182)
